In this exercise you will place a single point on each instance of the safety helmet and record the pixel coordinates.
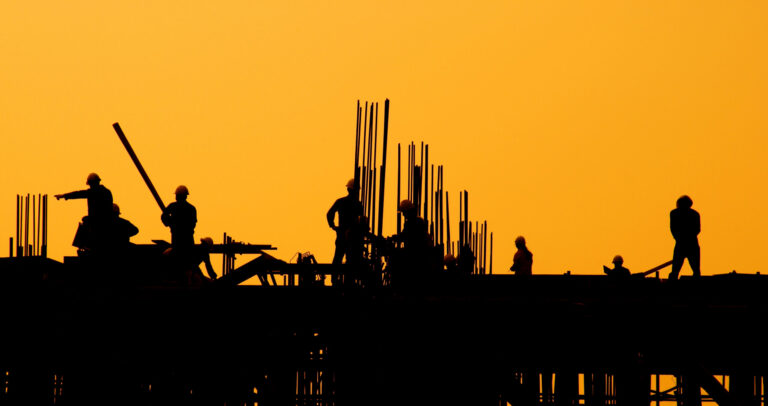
(406, 205)
(618, 260)
(182, 190)
(448, 258)
(207, 241)
(520, 240)
(684, 202)
(92, 179)
(351, 183)
(115, 208)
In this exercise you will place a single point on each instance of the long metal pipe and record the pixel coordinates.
(136, 162)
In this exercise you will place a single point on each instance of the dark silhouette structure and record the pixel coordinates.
(685, 224)
(618, 270)
(95, 225)
(523, 260)
(181, 217)
(348, 238)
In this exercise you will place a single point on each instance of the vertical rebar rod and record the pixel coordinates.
(370, 158)
(471, 246)
(26, 227)
(477, 245)
(490, 271)
(18, 225)
(34, 236)
(422, 178)
(485, 246)
(432, 193)
(466, 213)
(448, 223)
(427, 172)
(45, 226)
(375, 165)
(357, 141)
(361, 186)
(372, 222)
(10, 251)
(408, 174)
(385, 135)
(461, 222)
(39, 220)
(442, 223)
(397, 204)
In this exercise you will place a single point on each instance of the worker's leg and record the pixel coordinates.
(678, 256)
(694, 259)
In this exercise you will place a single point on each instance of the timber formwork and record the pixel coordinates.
(72, 335)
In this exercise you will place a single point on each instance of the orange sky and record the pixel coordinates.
(576, 124)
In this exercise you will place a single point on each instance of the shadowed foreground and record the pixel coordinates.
(76, 335)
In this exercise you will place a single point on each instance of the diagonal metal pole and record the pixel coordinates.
(136, 162)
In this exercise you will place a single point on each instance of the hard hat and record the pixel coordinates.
(684, 201)
(520, 240)
(115, 208)
(182, 190)
(448, 258)
(207, 241)
(618, 259)
(92, 178)
(406, 205)
(351, 184)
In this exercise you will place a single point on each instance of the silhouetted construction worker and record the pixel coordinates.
(93, 228)
(685, 224)
(121, 230)
(181, 217)
(522, 262)
(618, 270)
(415, 234)
(349, 210)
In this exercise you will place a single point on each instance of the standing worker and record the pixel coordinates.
(685, 224)
(349, 209)
(522, 262)
(181, 217)
(96, 223)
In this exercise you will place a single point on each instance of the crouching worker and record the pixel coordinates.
(186, 264)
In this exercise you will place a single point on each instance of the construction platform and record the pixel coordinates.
(74, 334)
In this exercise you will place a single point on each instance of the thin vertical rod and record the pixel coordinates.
(357, 142)
(421, 177)
(39, 221)
(45, 226)
(18, 224)
(370, 151)
(485, 241)
(26, 227)
(34, 236)
(490, 271)
(375, 151)
(442, 224)
(432, 215)
(362, 170)
(384, 165)
(426, 176)
(448, 223)
(466, 213)
(397, 204)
